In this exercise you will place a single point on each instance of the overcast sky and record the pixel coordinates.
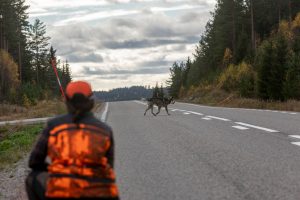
(117, 43)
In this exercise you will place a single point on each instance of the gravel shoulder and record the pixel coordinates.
(12, 181)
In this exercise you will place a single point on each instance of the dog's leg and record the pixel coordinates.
(167, 110)
(158, 110)
(149, 107)
(146, 111)
(152, 111)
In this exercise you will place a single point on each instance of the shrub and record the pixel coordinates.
(238, 78)
(8, 75)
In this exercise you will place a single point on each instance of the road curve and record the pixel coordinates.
(201, 152)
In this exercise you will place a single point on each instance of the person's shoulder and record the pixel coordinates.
(59, 119)
(97, 122)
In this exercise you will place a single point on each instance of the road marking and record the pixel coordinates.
(186, 113)
(219, 118)
(227, 108)
(140, 102)
(295, 136)
(206, 118)
(257, 127)
(296, 143)
(181, 110)
(195, 113)
(240, 127)
(174, 110)
(104, 114)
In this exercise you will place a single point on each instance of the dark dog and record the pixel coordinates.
(159, 102)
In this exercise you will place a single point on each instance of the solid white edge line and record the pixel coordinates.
(258, 127)
(140, 102)
(219, 118)
(295, 136)
(253, 109)
(296, 143)
(240, 127)
(186, 113)
(104, 114)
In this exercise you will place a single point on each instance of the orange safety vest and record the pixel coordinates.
(78, 165)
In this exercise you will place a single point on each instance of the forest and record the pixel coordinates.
(125, 94)
(26, 73)
(132, 93)
(250, 48)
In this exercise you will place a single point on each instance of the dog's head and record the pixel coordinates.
(171, 100)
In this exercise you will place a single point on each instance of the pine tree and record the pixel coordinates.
(175, 81)
(266, 59)
(51, 81)
(292, 83)
(68, 73)
(156, 91)
(38, 44)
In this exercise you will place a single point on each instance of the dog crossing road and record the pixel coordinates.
(201, 152)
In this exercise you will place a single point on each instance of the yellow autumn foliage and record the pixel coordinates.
(284, 29)
(296, 22)
(237, 78)
(9, 77)
(227, 57)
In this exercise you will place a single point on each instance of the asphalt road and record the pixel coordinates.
(201, 152)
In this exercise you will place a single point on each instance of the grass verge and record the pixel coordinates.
(16, 142)
(41, 109)
(217, 97)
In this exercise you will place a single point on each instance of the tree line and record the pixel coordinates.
(124, 94)
(248, 47)
(26, 73)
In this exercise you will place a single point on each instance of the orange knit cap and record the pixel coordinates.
(78, 87)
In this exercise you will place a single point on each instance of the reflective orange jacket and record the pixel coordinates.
(78, 165)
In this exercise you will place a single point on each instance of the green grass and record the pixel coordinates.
(16, 142)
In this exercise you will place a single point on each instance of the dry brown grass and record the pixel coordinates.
(42, 109)
(217, 97)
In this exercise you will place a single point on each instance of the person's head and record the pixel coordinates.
(78, 97)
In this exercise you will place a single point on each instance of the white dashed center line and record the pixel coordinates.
(240, 127)
(257, 127)
(296, 143)
(295, 136)
(187, 113)
(206, 118)
(195, 113)
(219, 118)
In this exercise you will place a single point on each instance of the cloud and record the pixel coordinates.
(79, 57)
(150, 70)
(146, 43)
(114, 43)
(96, 16)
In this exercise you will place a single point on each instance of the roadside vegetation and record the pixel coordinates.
(16, 142)
(45, 108)
(249, 56)
(26, 73)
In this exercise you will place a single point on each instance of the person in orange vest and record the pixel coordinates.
(74, 155)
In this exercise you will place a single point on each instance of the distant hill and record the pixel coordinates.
(124, 94)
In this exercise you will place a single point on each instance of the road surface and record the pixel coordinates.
(204, 153)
